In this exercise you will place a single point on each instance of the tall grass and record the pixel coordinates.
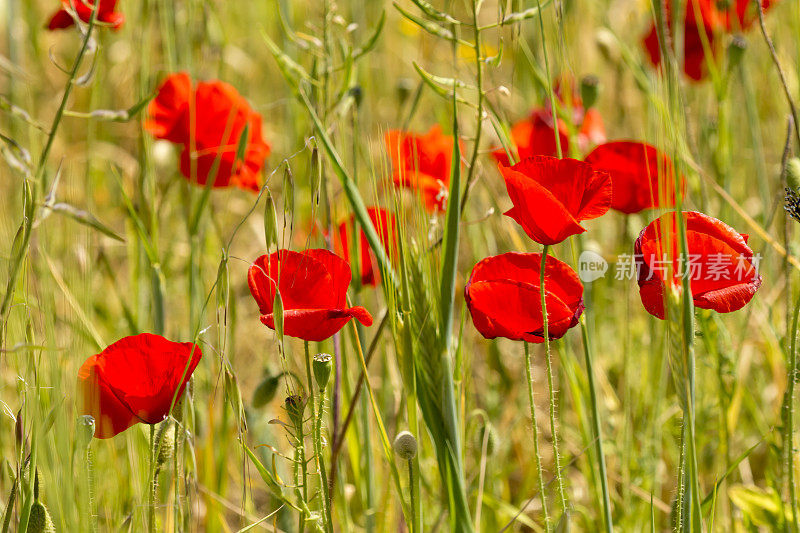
(687, 424)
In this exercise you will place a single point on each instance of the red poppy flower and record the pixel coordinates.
(313, 288)
(106, 13)
(135, 380)
(722, 270)
(209, 121)
(536, 135)
(552, 196)
(641, 176)
(504, 298)
(709, 17)
(422, 163)
(384, 223)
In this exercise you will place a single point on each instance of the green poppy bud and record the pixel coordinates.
(793, 174)
(405, 445)
(167, 447)
(323, 363)
(590, 88)
(489, 433)
(266, 390)
(296, 406)
(39, 520)
(85, 429)
(736, 49)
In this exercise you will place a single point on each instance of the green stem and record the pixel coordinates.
(551, 389)
(535, 428)
(151, 483)
(588, 356)
(413, 499)
(90, 489)
(471, 172)
(789, 413)
(598, 435)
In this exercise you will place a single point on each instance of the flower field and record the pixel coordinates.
(419, 265)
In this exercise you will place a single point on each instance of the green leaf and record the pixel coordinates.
(266, 475)
(761, 506)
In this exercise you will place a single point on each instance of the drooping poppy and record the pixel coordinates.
(721, 268)
(313, 287)
(136, 379)
(552, 196)
(504, 298)
(703, 19)
(641, 176)
(209, 120)
(536, 135)
(384, 223)
(106, 13)
(422, 163)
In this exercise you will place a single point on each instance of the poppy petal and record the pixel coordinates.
(543, 217)
(317, 324)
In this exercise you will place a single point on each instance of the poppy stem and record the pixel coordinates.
(535, 428)
(551, 389)
(316, 437)
(151, 496)
(788, 403)
(90, 488)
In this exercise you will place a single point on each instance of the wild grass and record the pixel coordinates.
(686, 424)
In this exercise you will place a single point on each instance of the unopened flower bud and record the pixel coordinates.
(590, 88)
(295, 406)
(167, 446)
(85, 429)
(39, 520)
(793, 173)
(405, 445)
(488, 433)
(323, 363)
(357, 94)
(265, 391)
(736, 49)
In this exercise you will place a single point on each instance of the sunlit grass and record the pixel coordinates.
(134, 247)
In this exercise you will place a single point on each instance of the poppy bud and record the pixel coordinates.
(793, 174)
(489, 433)
(590, 87)
(357, 94)
(405, 445)
(166, 449)
(736, 50)
(296, 406)
(323, 362)
(19, 430)
(404, 88)
(85, 429)
(265, 391)
(39, 520)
